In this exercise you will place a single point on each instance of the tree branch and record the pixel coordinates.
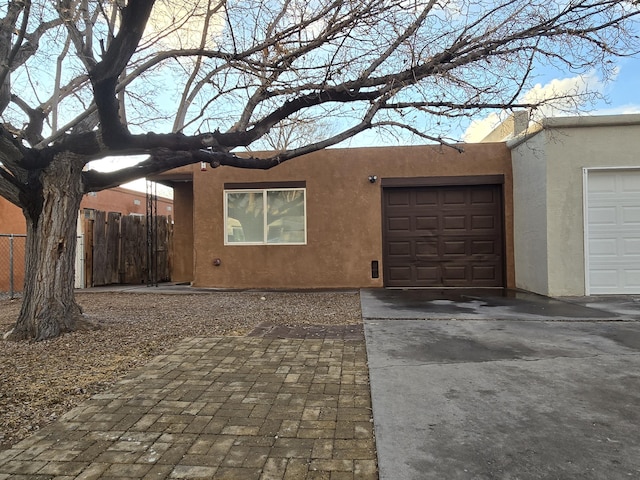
(104, 76)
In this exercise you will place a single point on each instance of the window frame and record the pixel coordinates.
(264, 190)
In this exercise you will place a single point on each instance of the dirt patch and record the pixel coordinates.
(41, 381)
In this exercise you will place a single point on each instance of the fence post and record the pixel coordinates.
(11, 266)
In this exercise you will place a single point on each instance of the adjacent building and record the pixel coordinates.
(577, 206)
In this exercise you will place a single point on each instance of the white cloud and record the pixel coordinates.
(180, 25)
(566, 96)
(559, 97)
(479, 129)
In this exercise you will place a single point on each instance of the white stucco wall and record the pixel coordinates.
(569, 145)
(530, 215)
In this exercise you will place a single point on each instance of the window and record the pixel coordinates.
(265, 216)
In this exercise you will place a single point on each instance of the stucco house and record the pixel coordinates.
(424, 216)
(576, 196)
(554, 210)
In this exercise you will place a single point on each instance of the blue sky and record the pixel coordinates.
(621, 94)
(625, 90)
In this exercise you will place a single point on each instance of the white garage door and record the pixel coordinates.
(613, 231)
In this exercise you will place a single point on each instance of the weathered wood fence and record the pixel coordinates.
(118, 249)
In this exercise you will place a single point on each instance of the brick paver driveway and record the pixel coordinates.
(221, 408)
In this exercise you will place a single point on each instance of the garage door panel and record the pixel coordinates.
(631, 215)
(602, 184)
(629, 184)
(604, 278)
(632, 277)
(454, 223)
(426, 248)
(483, 197)
(397, 198)
(400, 224)
(402, 248)
(454, 247)
(426, 198)
(613, 231)
(454, 272)
(484, 272)
(483, 222)
(483, 247)
(455, 197)
(631, 247)
(400, 273)
(429, 274)
(602, 215)
(607, 247)
(428, 223)
(455, 241)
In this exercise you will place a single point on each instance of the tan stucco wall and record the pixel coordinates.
(344, 215)
(182, 255)
(571, 144)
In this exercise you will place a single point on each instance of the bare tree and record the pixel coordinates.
(87, 79)
(293, 132)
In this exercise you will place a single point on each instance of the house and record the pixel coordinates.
(124, 201)
(419, 216)
(554, 210)
(576, 197)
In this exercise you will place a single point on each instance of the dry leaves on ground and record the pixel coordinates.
(41, 381)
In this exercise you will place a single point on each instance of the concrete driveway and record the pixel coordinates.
(486, 385)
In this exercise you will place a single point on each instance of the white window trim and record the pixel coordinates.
(264, 210)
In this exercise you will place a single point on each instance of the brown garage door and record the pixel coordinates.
(443, 236)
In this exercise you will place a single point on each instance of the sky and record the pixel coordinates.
(622, 95)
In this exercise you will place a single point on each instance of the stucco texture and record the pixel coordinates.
(549, 196)
(344, 215)
(530, 216)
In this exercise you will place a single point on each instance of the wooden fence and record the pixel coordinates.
(117, 249)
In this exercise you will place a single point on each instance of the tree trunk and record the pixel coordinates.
(49, 307)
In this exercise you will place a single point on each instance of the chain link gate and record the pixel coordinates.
(12, 263)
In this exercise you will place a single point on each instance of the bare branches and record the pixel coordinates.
(242, 69)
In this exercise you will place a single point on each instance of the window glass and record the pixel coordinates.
(285, 216)
(272, 216)
(245, 217)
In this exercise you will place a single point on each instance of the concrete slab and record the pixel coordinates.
(496, 304)
(487, 399)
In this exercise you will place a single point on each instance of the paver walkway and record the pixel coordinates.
(220, 408)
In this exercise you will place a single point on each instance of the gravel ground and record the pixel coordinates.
(41, 381)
